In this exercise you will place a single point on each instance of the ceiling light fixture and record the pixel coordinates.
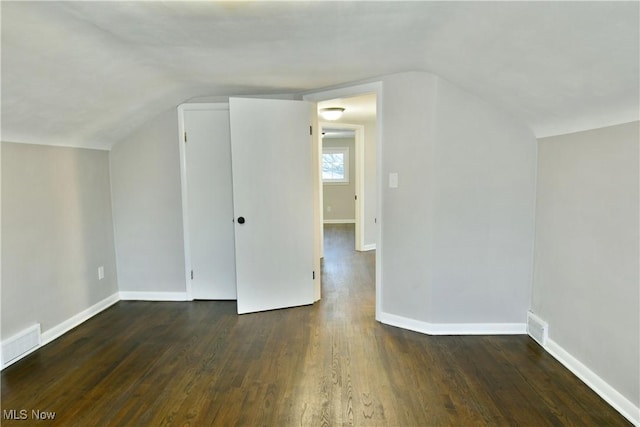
(333, 113)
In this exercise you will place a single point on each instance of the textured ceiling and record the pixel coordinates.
(88, 73)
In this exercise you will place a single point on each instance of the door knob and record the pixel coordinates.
(241, 220)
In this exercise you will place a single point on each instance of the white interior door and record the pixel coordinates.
(273, 203)
(210, 202)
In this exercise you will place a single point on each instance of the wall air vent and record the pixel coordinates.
(19, 345)
(537, 328)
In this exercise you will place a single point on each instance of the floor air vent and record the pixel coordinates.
(20, 345)
(537, 328)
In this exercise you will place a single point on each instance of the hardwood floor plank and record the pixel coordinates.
(331, 364)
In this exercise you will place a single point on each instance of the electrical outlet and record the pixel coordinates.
(328, 208)
(100, 273)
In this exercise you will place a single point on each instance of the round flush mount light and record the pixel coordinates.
(333, 113)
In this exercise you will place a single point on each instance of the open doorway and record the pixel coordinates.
(349, 193)
(372, 216)
(342, 177)
(349, 167)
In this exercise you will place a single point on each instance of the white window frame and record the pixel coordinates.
(345, 152)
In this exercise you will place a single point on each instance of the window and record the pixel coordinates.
(335, 165)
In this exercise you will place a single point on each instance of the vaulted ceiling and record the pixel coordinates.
(89, 73)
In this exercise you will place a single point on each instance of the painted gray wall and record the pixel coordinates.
(57, 230)
(408, 113)
(586, 253)
(147, 208)
(482, 229)
(341, 197)
(458, 230)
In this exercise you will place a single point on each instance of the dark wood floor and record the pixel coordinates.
(200, 364)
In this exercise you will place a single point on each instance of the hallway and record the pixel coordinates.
(348, 277)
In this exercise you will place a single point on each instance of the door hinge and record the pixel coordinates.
(191, 274)
(314, 275)
(356, 197)
(310, 130)
(185, 137)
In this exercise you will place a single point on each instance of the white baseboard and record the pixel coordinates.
(339, 221)
(453, 328)
(620, 403)
(60, 329)
(51, 334)
(371, 247)
(597, 384)
(154, 296)
(64, 327)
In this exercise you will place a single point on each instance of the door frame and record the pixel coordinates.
(346, 92)
(221, 106)
(359, 175)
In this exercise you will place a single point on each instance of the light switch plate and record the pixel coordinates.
(393, 180)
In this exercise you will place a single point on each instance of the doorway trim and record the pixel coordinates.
(359, 175)
(350, 91)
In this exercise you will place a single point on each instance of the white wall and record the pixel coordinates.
(484, 166)
(458, 230)
(340, 197)
(56, 231)
(147, 210)
(408, 114)
(586, 283)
